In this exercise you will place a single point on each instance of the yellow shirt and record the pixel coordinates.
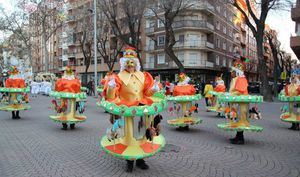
(132, 86)
(207, 88)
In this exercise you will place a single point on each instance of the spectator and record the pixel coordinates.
(208, 87)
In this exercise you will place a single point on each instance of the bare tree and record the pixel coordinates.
(275, 44)
(255, 14)
(84, 26)
(17, 23)
(170, 9)
(125, 19)
(107, 48)
(47, 17)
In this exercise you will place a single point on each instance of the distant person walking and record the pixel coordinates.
(208, 87)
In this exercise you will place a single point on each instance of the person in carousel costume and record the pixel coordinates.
(293, 89)
(220, 85)
(131, 87)
(68, 83)
(238, 86)
(15, 81)
(183, 87)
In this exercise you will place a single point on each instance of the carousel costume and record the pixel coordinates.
(15, 98)
(183, 95)
(67, 92)
(219, 90)
(129, 98)
(238, 112)
(291, 94)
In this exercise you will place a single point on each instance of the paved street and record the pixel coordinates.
(35, 146)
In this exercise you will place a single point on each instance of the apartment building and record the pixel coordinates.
(295, 40)
(205, 35)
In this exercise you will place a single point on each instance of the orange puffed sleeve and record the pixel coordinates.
(241, 85)
(15, 83)
(149, 82)
(220, 88)
(184, 90)
(65, 85)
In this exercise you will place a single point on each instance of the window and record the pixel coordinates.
(224, 29)
(192, 58)
(224, 45)
(218, 25)
(160, 58)
(217, 60)
(160, 23)
(218, 42)
(218, 8)
(224, 62)
(230, 63)
(180, 56)
(181, 38)
(161, 40)
(225, 13)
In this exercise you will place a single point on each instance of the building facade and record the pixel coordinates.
(205, 35)
(295, 40)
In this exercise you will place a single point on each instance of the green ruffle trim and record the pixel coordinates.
(99, 90)
(290, 119)
(9, 108)
(54, 118)
(15, 90)
(216, 93)
(197, 121)
(159, 104)
(251, 128)
(133, 157)
(285, 98)
(186, 98)
(55, 94)
(83, 89)
(240, 98)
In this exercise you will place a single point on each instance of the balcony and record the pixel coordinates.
(71, 55)
(194, 45)
(71, 18)
(149, 65)
(149, 47)
(198, 24)
(149, 30)
(204, 6)
(295, 45)
(295, 12)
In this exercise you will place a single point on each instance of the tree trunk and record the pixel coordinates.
(46, 54)
(265, 88)
(173, 57)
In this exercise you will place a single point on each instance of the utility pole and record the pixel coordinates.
(95, 46)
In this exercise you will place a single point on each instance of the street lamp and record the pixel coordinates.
(94, 11)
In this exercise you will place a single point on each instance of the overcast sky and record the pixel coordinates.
(280, 21)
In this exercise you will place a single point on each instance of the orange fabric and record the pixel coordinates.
(65, 85)
(102, 82)
(117, 148)
(149, 147)
(184, 90)
(15, 83)
(148, 84)
(220, 88)
(286, 89)
(193, 108)
(241, 85)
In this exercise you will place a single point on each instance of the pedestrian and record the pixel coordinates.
(208, 87)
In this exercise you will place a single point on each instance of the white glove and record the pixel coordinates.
(155, 87)
(112, 83)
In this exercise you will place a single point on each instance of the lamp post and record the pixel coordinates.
(95, 46)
